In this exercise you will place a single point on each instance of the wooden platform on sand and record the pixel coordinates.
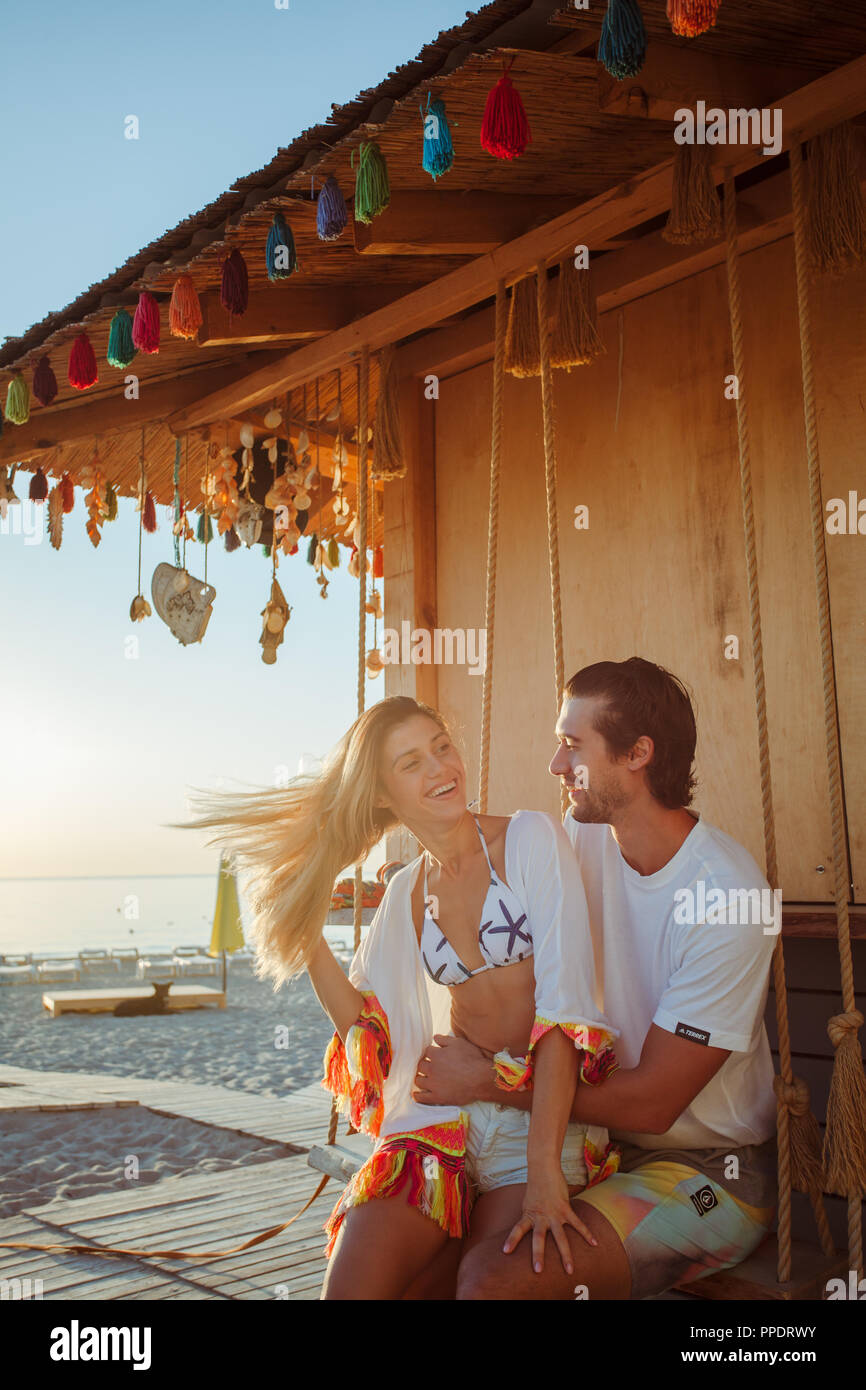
(101, 1001)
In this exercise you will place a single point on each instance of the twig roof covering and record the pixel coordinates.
(577, 152)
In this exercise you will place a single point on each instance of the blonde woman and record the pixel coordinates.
(488, 892)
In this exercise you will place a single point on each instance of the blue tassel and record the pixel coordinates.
(121, 348)
(280, 255)
(438, 153)
(331, 213)
(622, 45)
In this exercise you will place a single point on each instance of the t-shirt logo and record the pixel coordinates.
(685, 1030)
(704, 1200)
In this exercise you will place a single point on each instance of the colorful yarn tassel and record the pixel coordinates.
(148, 521)
(331, 212)
(145, 325)
(692, 17)
(38, 486)
(67, 492)
(505, 130)
(372, 190)
(82, 364)
(333, 553)
(184, 311)
(234, 289)
(432, 1161)
(44, 381)
(18, 401)
(204, 530)
(121, 348)
(438, 151)
(355, 1073)
(281, 257)
(232, 540)
(311, 550)
(378, 563)
(622, 43)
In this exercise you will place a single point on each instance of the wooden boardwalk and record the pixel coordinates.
(209, 1211)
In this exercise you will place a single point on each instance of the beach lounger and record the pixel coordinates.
(244, 958)
(93, 959)
(191, 960)
(156, 967)
(57, 968)
(17, 970)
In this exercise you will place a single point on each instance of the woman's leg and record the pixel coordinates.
(383, 1246)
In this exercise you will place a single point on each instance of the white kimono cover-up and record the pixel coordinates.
(374, 1074)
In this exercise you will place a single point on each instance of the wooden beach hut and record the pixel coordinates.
(690, 488)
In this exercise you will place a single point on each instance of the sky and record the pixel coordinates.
(104, 737)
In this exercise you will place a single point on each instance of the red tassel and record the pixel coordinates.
(67, 492)
(82, 364)
(145, 325)
(149, 518)
(44, 381)
(378, 563)
(38, 486)
(234, 290)
(505, 130)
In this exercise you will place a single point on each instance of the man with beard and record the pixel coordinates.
(692, 1105)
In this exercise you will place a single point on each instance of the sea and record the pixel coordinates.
(60, 916)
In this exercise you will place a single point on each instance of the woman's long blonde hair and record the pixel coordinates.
(295, 840)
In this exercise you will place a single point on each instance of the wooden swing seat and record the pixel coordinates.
(753, 1279)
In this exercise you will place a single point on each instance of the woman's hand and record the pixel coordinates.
(546, 1208)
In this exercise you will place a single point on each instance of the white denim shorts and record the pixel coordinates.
(496, 1141)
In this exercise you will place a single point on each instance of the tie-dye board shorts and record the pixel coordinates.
(676, 1214)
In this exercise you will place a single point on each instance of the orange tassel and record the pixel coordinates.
(692, 17)
(67, 492)
(184, 311)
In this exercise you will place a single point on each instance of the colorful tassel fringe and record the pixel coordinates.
(38, 486)
(372, 190)
(622, 43)
(600, 1163)
(145, 325)
(378, 563)
(355, 1073)
(67, 492)
(331, 212)
(148, 521)
(281, 257)
(121, 348)
(184, 311)
(82, 364)
(234, 288)
(432, 1162)
(597, 1062)
(438, 152)
(44, 381)
(18, 401)
(692, 17)
(505, 130)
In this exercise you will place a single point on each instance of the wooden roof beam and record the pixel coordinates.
(834, 97)
(287, 310)
(672, 78)
(437, 223)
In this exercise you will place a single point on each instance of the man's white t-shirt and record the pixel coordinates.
(658, 962)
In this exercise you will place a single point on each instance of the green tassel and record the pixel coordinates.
(205, 533)
(18, 401)
(110, 502)
(266, 550)
(372, 191)
(121, 348)
(333, 553)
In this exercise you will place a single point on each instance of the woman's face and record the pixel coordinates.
(422, 774)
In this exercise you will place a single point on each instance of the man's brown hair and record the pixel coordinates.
(640, 697)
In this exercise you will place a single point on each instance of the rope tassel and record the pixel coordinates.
(695, 212)
(575, 340)
(388, 461)
(835, 212)
(845, 1135)
(522, 350)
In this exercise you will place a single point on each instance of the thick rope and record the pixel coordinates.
(492, 539)
(363, 425)
(788, 1093)
(831, 731)
(550, 478)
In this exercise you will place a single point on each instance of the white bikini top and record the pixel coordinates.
(504, 936)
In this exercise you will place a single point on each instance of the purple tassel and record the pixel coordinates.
(331, 214)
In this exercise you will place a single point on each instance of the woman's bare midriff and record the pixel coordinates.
(496, 1009)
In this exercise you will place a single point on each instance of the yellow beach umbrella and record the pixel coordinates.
(227, 934)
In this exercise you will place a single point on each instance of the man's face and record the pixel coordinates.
(598, 785)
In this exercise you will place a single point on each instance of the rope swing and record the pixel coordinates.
(845, 1134)
(798, 1134)
(492, 539)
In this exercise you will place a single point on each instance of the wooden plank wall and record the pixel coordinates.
(647, 440)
